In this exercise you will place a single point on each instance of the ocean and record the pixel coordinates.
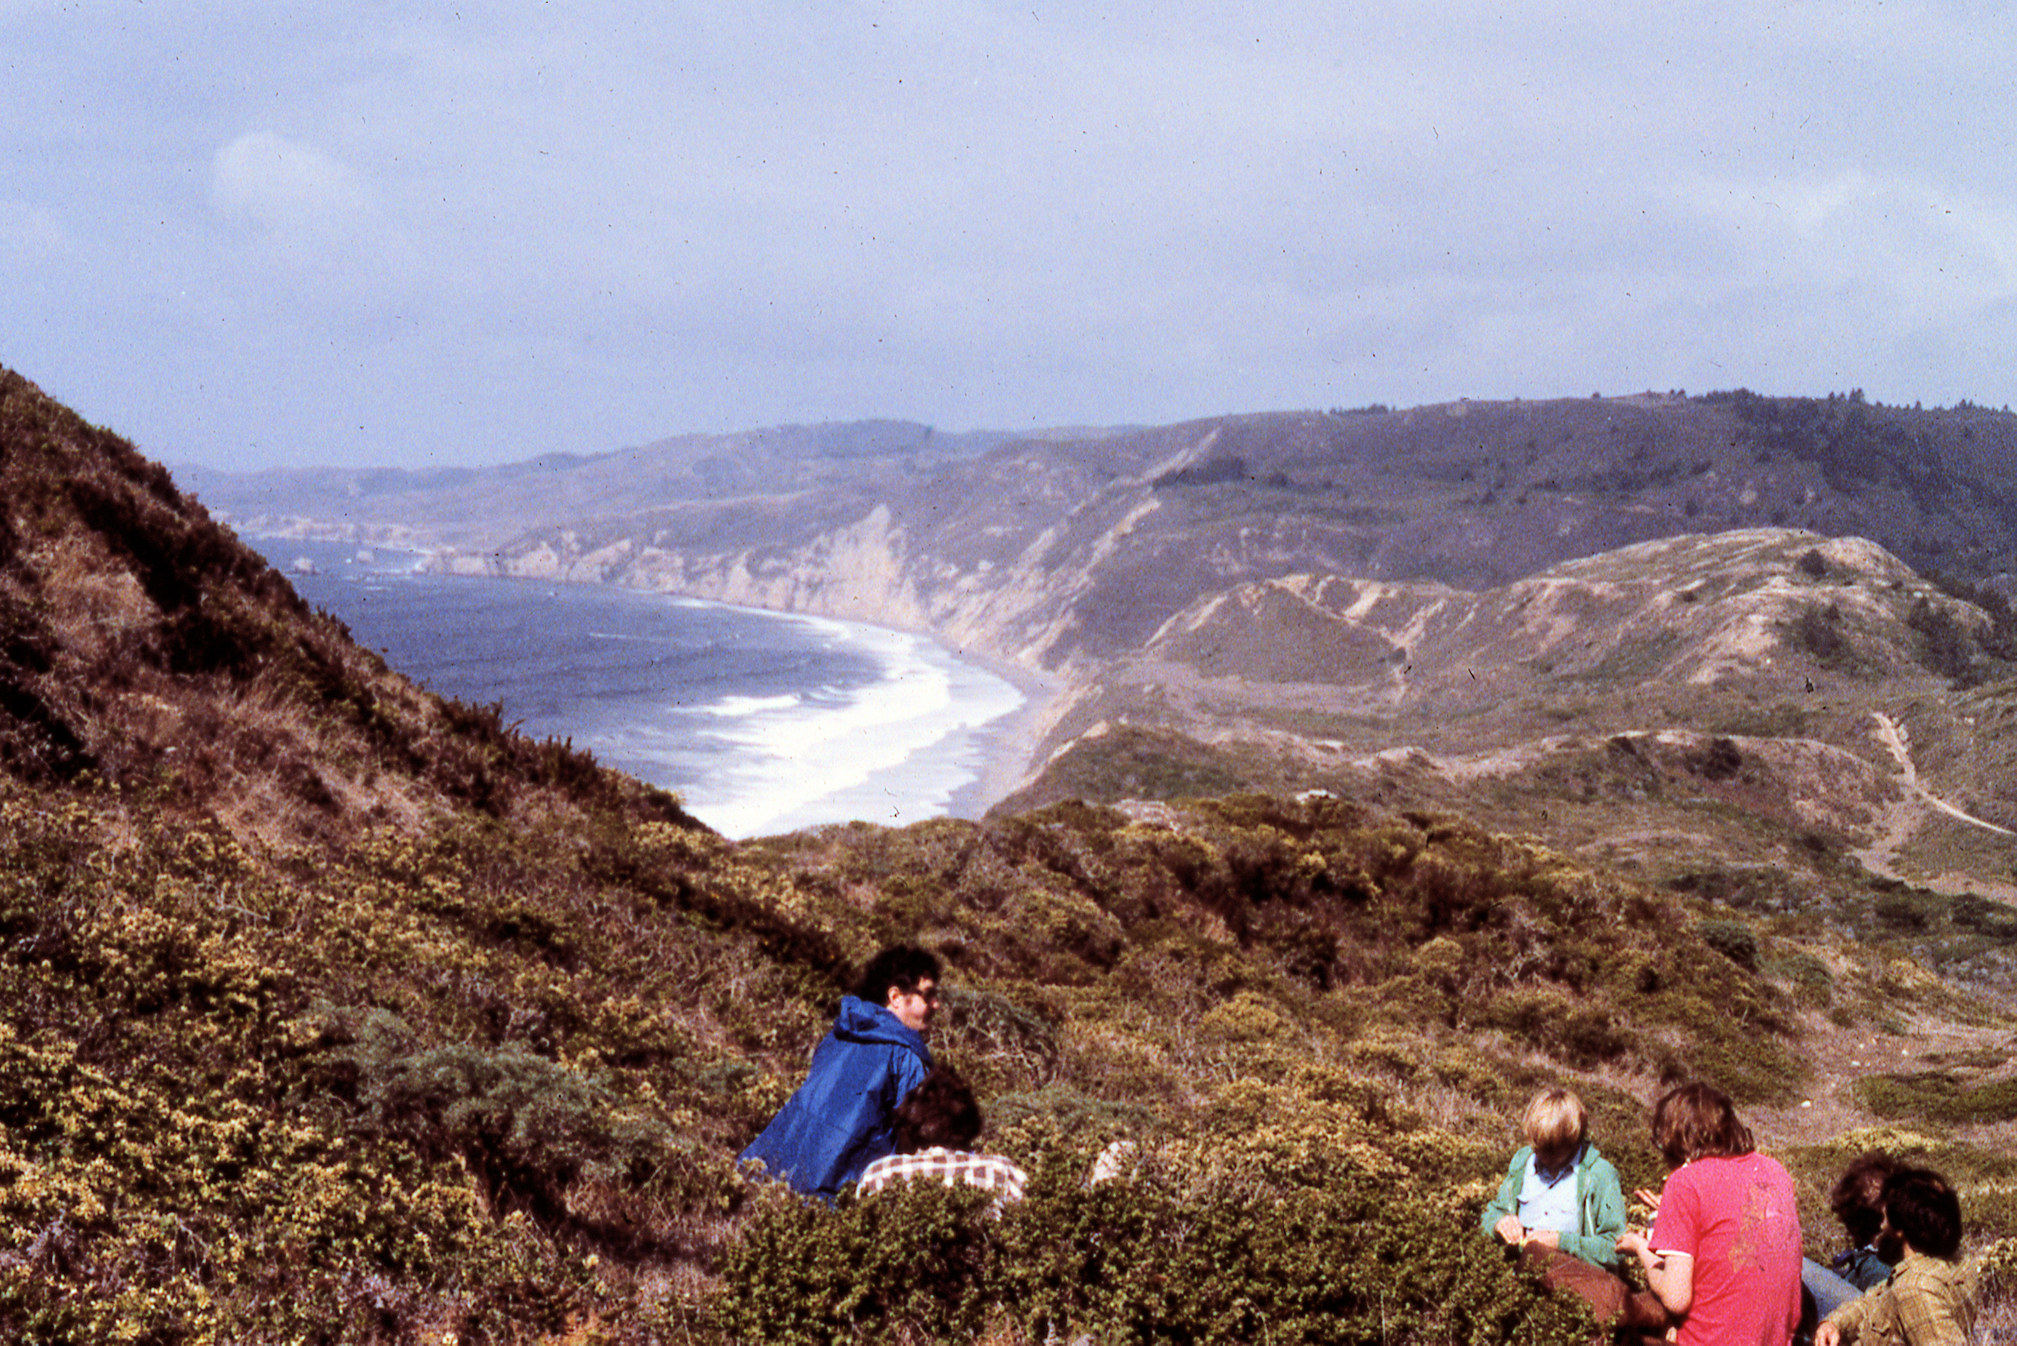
(761, 722)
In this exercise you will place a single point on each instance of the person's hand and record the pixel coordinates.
(1509, 1229)
(1633, 1242)
(1547, 1238)
(1647, 1198)
(1827, 1334)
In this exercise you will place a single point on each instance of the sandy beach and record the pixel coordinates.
(1007, 744)
(763, 721)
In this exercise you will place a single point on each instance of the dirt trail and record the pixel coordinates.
(1838, 1057)
(1902, 819)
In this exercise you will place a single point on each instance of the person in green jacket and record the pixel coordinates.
(1563, 1207)
(1559, 1192)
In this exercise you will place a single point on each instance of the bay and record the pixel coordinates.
(762, 722)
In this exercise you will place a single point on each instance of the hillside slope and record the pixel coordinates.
(1067, 549)
(1768, 697)
(460, 1044)
(147, 649)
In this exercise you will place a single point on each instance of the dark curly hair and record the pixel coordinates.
(1921, 1205)
(940, 1111)
(1858, 1195)
(901, 966)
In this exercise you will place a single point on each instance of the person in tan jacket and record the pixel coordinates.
(1929, 1299)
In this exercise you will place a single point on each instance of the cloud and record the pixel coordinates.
(486, 231)
(304, 203)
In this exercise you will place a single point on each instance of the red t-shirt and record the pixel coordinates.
(1737, 1219)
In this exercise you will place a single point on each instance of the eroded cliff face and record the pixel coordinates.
(1553, 615)
(987, 574)
(860, 571)
(1066, 551)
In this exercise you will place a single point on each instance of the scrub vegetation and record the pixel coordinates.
(331, 1011)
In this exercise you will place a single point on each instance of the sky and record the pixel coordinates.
(388, 233)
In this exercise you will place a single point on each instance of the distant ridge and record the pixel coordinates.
(465, 503)
(1261, 585)
(1467, 493)
(331, 1011)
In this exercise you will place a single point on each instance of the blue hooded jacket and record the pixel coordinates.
(838, 1122)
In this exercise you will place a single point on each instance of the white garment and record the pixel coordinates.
(1550, 1205)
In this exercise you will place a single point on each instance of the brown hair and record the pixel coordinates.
(1923, 1207)
(1554, 1122)
(1858, 1195)
(941, 1111)
(1697, 1121)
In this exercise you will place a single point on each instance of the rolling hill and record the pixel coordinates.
(333, 1011)
(1302, 600)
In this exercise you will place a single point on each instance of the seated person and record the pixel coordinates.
(1563, 1207)
(839, 1120)
(933, 1127)
(1723, 1255)
(1858, 1202)
(1559, 1192)
(1928, 1300)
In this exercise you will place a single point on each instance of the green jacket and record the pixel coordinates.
(1600, 1197)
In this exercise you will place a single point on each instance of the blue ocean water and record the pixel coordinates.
(762, 722)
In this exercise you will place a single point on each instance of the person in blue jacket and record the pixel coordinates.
(839, 1120)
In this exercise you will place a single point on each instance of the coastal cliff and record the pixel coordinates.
(1362, 600)
(1065, 550)
(334, 1010)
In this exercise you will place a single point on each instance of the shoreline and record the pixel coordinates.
(992, 762)
(1007, 745)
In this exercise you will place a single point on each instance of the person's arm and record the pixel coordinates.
(1844, 1325)
(1603, 1218)
(1670, 1276)
(1500, 1218)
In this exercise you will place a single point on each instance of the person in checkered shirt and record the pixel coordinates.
(933, 1126)
(1929, 1299)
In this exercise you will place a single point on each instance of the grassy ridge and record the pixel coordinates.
(332, 1011)
(490, 1078)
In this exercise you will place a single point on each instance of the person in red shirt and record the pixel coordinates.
(1723, 1254)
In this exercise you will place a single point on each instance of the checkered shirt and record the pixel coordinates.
(990, 1171)
(1927, 1302)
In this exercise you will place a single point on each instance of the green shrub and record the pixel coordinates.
(1735, 940)
(1157, 1256)
(1937, 1096)
(531, 1130)
(1911, 910)
(919, 1262)
(1813, 984)
(1995, 920)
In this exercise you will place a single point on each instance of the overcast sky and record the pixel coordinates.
(248, 234)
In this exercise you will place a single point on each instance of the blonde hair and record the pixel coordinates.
(1555, 1121)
